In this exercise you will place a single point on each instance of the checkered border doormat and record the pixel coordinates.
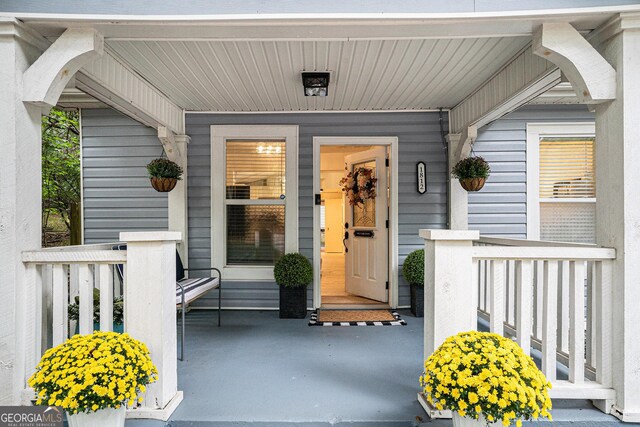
(398, 322)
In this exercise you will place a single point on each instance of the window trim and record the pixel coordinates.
(219, 135)
(534, 132)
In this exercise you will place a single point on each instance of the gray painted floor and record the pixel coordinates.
(260, 370)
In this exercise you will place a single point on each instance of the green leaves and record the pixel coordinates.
(293, 270)
(164, 168)
(413, 268)
(471, 167)
(60, 163)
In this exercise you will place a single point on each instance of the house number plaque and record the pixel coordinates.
(422, 177)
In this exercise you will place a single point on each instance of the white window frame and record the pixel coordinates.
(535, 131)
(219, 135)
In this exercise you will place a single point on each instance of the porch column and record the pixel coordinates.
(618, 206)
(20, 201)
(458, 197)
(449, 303)
(150, 314)
(175, 146)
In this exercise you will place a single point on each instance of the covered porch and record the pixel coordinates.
(476, 68)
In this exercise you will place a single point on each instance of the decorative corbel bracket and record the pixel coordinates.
(592, 77)
(45, 79)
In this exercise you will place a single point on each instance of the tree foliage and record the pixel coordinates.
(60, 164)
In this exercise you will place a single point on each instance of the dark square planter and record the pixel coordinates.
(293, 302)
(417, 301)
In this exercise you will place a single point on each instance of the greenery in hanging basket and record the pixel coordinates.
(413, 268)
(484, 374)
(92, 372)
(293, 270)
(471, 167)
(164, 168)
(118, 308)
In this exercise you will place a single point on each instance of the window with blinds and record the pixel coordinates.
(255, 201)
(567, 189)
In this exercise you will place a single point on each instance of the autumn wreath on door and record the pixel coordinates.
(359, 186)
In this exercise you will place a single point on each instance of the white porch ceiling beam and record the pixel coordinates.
(109, 80)
(523, 78)
(592, 77)
(45, 79)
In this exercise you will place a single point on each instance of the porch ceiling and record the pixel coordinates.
(365, 74)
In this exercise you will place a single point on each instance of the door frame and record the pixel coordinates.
(392, 143)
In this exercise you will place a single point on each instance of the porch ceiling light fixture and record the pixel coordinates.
(315, 83)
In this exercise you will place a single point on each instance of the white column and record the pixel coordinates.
(20, 202)
(150, 314)
(458, 197)
(178, 200)
(618, 208)
(449, 303)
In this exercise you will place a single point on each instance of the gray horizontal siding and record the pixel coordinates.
(501, 207)
(117, 193)
(419, 140)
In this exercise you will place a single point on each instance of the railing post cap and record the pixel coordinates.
(150, 236)
(429, 234)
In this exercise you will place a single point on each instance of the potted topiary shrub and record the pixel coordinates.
(472, 172)
(293, 272)
(164, 174)
(413, 272)
(118, 308)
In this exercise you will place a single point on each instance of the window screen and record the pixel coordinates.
(255, 207)
(567, 189)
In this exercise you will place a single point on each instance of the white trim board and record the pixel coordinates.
(534, 131)
(392, 142)
(219, 134)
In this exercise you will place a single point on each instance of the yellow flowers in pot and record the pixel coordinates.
(484, 375)
(88, 373)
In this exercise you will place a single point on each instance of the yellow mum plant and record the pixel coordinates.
(480, 374)
(92, 372)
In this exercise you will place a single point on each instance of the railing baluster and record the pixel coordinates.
(604, 322)
(496, 285)
(105, 279)
(59, 305)
(590, 350)
(576, 317)
(563, 304)
(511, 292)
(476, 286)
(46, 306)
(524, 300)
(549, 319)
(482, 303)
(539, 288)
(85, 286)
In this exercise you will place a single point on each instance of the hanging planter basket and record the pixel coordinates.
(163, 185)
(472, 184)
(472, 173)
(164, 174)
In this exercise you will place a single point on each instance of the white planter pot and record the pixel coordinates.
(102, 418)
(459, 421)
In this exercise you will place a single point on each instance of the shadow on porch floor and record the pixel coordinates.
(260, 370)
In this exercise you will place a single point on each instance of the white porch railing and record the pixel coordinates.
(554, 299)
(57, 275)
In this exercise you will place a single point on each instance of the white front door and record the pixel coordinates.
(367, 263)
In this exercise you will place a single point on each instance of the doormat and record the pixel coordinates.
(356, 318)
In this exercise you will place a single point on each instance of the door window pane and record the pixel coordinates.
(255, 234)
(255, 169)
(364, 215)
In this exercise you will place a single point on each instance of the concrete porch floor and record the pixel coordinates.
(259, 370)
